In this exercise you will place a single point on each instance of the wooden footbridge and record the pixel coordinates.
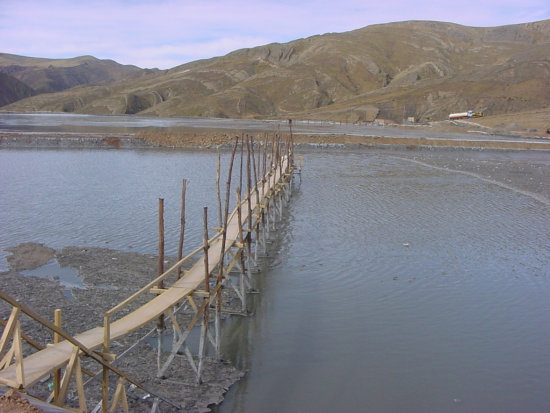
(242, 233)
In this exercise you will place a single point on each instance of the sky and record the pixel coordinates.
(167, 33)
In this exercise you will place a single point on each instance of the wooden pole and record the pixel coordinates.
(241, 240)
(291, 145)
(57, 373)
(205, 319)
(249, 197)
(255, 170)
(257, 193)
(220, 223)
(264, 173)
(182, 224)
(160, 271)
(226, 214)
(241, 164)
(274, 154)
(224, 236)
(105, 381)
(279, 157)
(206, 247)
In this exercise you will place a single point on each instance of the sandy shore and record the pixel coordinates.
(108, 277)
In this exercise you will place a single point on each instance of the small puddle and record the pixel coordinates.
(66, 276)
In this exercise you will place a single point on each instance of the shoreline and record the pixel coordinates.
(197, 138)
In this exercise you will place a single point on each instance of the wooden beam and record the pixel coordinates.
(18, 354)
(182, 225)
(120, 397)
(8, 331)
(57, 373)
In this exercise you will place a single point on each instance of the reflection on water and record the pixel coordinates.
(393, 285)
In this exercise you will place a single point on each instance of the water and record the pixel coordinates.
(80, 123)
(103, 198)
(68, 277)
(396, 286)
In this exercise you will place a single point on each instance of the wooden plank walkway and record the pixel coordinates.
(38, 365)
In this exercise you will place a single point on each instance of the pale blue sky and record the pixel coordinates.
(166, 33)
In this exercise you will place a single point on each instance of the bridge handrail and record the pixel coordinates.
(178, 264)
(161, 277)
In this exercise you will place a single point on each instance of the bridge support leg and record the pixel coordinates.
(73, 367)
(120, 396)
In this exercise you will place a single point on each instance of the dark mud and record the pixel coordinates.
(108, 277)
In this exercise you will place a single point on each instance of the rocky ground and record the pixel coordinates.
(109, 277)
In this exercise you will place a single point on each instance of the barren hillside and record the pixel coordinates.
(53, 75)
(416, 68)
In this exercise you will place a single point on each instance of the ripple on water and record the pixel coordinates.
(390, 274)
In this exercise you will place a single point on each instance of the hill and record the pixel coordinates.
(53, 75)
(12, 89)
(415, 69)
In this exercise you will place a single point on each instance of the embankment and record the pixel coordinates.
(214, 138)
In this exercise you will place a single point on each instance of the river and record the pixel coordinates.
(400, 281)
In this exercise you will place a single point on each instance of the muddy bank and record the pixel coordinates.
(108, 277)
(28, 256)
(72, 140)
(216, 138)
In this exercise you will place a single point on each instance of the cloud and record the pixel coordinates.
(165, 33)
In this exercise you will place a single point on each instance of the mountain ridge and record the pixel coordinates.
(420, 69)
(42, 75)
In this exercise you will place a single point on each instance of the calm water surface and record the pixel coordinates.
(395, 286)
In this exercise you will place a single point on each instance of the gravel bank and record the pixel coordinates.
(108, 277)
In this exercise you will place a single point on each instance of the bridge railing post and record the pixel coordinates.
(57, 373)
(105, 375)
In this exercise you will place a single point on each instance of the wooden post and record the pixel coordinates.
(160, 266)
(241, 240)
(258, 208)
(255, 171)
(279, 158)
(161, 325)
(204, 327)
(220, 223)
(264, 207)
(206, 247)
(226, 213)
(291, 145)
(120, 396)
(241, 164)
(105, 382)
(160, 271)
(264, 158)
(182, 224)
(57, 373)
(249, 198)
(18, 354)
(224, 236)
